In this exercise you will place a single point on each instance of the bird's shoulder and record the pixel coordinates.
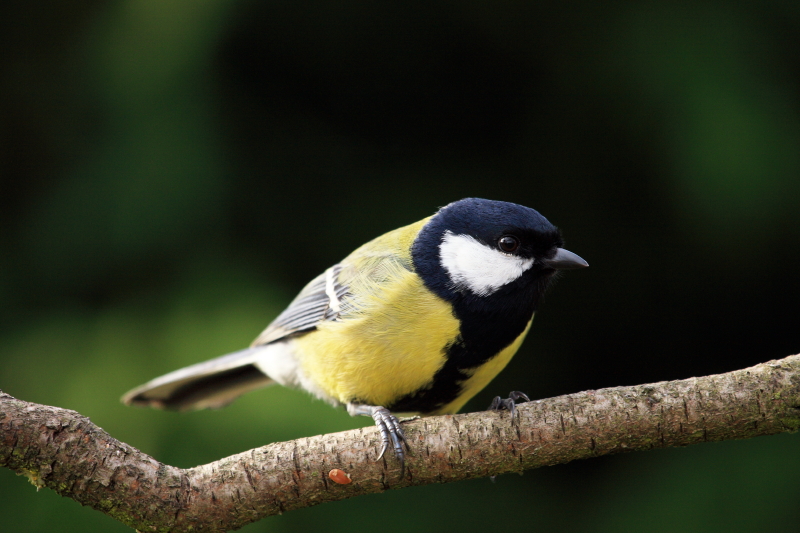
(394, 246)
(350, 286)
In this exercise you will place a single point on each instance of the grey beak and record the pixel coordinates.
(565, 260)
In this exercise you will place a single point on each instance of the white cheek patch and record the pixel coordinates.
(477, 267)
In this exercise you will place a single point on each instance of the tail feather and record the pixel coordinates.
(208, 385)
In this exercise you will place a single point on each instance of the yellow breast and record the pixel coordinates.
(393, 348)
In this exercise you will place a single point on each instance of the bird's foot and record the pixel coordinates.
(509, 404)
(389, 428)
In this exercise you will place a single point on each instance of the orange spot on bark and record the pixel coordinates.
(339, 476)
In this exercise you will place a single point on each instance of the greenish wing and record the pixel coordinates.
(318, 301)
(337, 293)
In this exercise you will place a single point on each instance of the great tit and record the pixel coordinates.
(416, 321)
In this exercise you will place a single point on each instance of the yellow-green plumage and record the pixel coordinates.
(392, 335)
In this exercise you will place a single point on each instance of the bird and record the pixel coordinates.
(414, 322)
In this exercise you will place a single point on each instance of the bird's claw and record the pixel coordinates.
(509, 404)
(391, 434)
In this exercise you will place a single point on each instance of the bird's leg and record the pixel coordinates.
(509, 404)
(389, 427)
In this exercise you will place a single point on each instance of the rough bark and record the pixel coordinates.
(62, 450)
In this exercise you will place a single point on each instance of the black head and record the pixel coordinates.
(477, 249)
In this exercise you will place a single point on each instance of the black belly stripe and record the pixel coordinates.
(483, 336)
(444, 388)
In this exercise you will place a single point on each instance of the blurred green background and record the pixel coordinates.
(172, 172)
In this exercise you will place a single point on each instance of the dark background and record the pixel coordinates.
(173, 172)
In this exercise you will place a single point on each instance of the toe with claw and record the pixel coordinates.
(509, 404)
(390, 430)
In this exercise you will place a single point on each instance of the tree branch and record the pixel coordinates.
(62, 450)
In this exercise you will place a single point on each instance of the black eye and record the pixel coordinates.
(508, 243)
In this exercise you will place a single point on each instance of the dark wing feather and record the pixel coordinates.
(319, 300)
